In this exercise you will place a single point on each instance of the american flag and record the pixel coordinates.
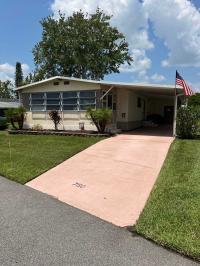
(181, 82)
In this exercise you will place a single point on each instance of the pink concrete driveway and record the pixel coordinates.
(111, 179)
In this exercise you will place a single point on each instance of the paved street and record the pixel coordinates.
(36, 229)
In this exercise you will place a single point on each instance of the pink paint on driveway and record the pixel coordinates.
(111, 179)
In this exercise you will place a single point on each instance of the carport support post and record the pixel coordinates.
(175, 112)
(175, 115)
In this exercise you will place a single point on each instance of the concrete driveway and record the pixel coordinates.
(113, 178)
(38, 230)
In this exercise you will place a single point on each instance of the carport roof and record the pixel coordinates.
(159, 89)
(8, 103)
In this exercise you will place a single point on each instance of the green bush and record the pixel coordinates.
(16, 117)
(194, 100)
(3, 124)
(100, 117)
(187, 122)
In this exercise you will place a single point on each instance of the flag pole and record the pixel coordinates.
(175, 109)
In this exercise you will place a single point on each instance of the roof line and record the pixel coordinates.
(95, 82)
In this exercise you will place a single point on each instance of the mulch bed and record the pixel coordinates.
(60, 133)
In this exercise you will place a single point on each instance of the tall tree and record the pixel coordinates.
(82, 46)
(18, 75)
(29, 79)
(6, 89)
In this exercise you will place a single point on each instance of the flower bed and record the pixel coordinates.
(60, 132)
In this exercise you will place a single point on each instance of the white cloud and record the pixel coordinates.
(140, 65)
(25, 69)
(157, 77)
(165, 63)
(129, 16)
(7, 71)
(195, 86)
(177, 23)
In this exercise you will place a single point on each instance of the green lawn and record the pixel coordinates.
(171, 216)
(29, 156)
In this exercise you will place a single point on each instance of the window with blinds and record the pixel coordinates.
(63, 101)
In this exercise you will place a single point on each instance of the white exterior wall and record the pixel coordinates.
(70, 119)
(127, 104)
(122, 105)
(135, 113)
(73, 86)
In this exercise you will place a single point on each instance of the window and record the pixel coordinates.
(56, 83)
(66, 82)
(37, 102)
(70, 100)
(38, 95)
(63, 101)
(53, 101)
(37, 108)
(87, 99)
(87, 94)
(53, 107)
(70, 107)
(70, 94)
(109, 100)
(53, 95)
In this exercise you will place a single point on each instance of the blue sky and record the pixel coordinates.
(162, 38)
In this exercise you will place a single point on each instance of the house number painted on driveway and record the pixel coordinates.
(79, 185)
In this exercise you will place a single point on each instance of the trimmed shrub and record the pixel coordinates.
(187, 122)
(100, 117)
(55, 117)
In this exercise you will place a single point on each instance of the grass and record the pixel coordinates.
(29, 156)
(171, 216)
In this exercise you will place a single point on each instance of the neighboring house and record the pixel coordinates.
(131, 103)
(6, 104)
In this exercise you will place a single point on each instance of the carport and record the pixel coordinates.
(140, 105)
(6, 104)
